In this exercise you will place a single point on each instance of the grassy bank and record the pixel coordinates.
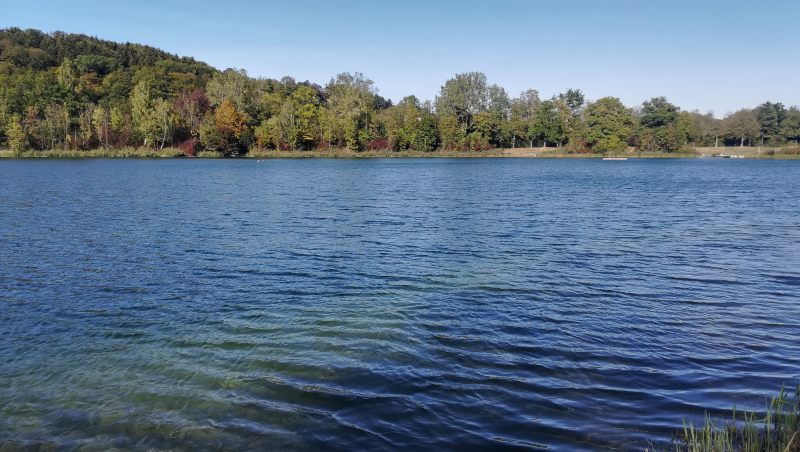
(348, 154)
(143, 152)
(131, 152)
(776, 429)
(442, 153)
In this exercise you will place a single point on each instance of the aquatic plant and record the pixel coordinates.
(775, 429)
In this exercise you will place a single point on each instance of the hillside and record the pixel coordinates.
(37, 50)
(76, 93)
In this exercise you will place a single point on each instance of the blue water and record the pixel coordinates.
(385, 304)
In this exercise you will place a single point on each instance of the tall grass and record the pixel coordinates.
(774, 430)
(147, 152)
(349, 154)
(126, 152)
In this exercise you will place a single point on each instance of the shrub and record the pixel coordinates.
(190, 147)
(378, 144)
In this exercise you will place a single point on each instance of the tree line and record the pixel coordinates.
(67, 91)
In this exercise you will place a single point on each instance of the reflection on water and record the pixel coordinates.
(391, 303)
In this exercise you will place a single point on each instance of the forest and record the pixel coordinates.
(64, 91)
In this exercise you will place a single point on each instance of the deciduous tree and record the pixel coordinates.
(609, 124)
(742, 125)
(17, 138)
(351, 99)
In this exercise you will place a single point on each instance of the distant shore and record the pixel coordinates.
(778, 153)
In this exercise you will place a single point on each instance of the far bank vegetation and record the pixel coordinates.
(73, 95)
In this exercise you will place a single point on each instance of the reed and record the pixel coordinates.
(341, 153)
(773, 430)
(126, 152)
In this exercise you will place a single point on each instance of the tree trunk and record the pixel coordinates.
(163, 138)
(716, 140)
(741, 144)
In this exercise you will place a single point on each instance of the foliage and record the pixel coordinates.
(609, 125)
(522, 113)
(190, 147)
(658, 126)
(547, 125)
(75, 93)
(17, 138)
(462, 97)
(452, 135)
(225, 131)
(790, 127)
(742, 125)
(480, 109)
(769, 117)
(191, 106)
(351, 100)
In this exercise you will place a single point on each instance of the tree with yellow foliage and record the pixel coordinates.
(224, 131)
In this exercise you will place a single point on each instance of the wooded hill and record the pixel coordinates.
(70, 91)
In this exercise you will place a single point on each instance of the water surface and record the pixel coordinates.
(384, 304)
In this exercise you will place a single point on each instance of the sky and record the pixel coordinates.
(709, 55)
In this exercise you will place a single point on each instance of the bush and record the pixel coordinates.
(378, 144)
(190, 147)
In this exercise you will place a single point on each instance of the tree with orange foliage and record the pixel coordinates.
(223, 132)
(228, 120)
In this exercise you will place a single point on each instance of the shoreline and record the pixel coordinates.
(791, 153)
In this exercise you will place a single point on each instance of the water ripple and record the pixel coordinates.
(386, 304)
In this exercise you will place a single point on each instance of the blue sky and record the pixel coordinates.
(707, 55)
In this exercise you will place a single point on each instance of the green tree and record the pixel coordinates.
(142, 112)
(398, 123)
(609, 125)
(488, 127)
(307, 113)
(87, 137)
(298, 125)
(574, 100)
(711, 129)
(66, 75)
(658, 118)
(426, 136)
(522, 112)
(463, 97)
(234, 85)
(164, 119)
(770, 116)
(101, 120)
(742, 125)
(688, 128)
(56, 124)
(351, 100)
(17, 138)
(547, 126)
(790, 127)
(152, 118)
(658, 112)
(34, 128)
(451, 133)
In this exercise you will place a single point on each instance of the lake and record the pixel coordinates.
(386, 304)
